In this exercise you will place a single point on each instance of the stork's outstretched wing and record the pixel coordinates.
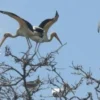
(46, 24)
(20, 20)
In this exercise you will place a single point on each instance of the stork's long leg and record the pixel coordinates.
(29, 46)
(38, 49)
(29, 43)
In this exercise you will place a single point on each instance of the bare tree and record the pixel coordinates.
(18, 82)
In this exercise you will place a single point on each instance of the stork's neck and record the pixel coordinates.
(13, 36)
(10, 35)
(46, 39)
(50, 39)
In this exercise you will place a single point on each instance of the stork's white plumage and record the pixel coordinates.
(57, 92)
(60, 92)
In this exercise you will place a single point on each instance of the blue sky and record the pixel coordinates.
(77, 25)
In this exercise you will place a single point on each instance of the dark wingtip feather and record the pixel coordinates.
(1, 11)
(56, 15)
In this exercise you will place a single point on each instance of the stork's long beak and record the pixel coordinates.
(2, 41)
(56, 36)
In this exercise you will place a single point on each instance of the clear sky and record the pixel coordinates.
(77, 25)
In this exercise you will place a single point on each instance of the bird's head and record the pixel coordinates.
(4, 38)
(7, 35)
(56, 36)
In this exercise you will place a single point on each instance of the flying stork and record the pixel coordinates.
(25, 28)
(35, 33)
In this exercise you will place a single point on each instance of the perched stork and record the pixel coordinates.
(61, 92)
(36, 33)
(33, 85)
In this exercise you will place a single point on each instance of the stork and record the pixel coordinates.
(25, 28)
(35, 33)
(61, 92)
(33, 85)
(45, 25)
